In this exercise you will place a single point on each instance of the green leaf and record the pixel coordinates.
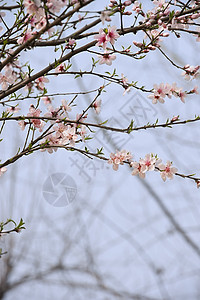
(130, 127)
(103, 122)
(100, 151)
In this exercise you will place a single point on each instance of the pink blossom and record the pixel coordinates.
(145, 164)
(124, 80)
(80, 118)
(148, 163)
(3, 170)
(191, 72)
(125, 85)
(46, 100)
(28, 34)
(31, 20)
(105, 16)
(182, 95)
(56, 5)
(178, 92)
(33, 112)
(60, 68)
(112, 35)
(194, 90)
(70, 44)
(42, 23)
(167, 171)
(59, 130)
(10, 73)
(65, 106)
(13, 109)
(119, 158)
(30, 6)
(159, 93)
(137, 169)
(106, 58)
(106, 36)
(173, 90)
(101, 38)
(29, 86)
(53, 113)
(49, 140)
(22, 124)
(162, 89)
(160, 3)
(97, 106)
(136, 6)
(5, 81)
(70, 136)
(40, 82)
(156, 97)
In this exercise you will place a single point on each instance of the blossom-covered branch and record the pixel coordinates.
(75, 30)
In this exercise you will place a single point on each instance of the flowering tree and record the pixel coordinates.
(72, 29)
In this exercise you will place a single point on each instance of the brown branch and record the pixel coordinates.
(45, 70)
(9, 7)
(122, 130)
(77, 35)
(38, 34)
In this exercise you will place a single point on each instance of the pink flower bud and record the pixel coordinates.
(127, 3)
(195, 16)
(166, 34)
(175, 119)
(198, 183)
(127, 13)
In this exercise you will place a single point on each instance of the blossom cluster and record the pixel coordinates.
(13, 72)
(8, 77)
(150, 163)
(163, 16)
(119, 158)
(162, 90)
(38, 16)
(62, 133)
(159, 22)
(10, 72)
(191, 72)
(153, 163)
(106, 35)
